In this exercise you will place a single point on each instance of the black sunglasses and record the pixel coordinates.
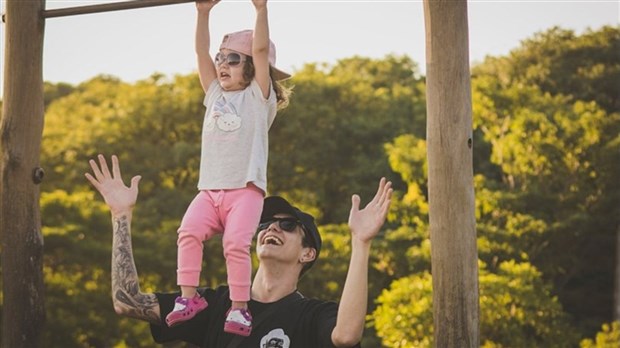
(285, 224)
(233, 58)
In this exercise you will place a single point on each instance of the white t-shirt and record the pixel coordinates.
(235, 137)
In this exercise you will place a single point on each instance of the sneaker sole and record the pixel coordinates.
(237, 329)
(179, 320)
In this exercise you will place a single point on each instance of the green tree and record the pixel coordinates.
(608, 337)
(405, 249)
(585, 67)
(517, 310)
(53, 91)
(547, 115)
(328, 143)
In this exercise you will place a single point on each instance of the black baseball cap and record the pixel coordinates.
(274, 205)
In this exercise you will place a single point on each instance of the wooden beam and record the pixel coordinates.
(115, 6)
(454, 256)
(21, 128)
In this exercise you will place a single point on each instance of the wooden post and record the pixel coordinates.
(21, 129)
(454, 258)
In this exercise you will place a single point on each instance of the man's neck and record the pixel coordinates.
(271, 285)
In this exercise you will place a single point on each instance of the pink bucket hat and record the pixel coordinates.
(241, 41)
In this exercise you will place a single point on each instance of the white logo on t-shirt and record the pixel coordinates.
(275, 339)
(224, 115)
(229, 122)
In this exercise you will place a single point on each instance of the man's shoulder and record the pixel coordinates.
(317, 301)
(312, 308)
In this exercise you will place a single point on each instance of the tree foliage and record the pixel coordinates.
(608, 337)
(516, 310)
(328, 143)
(546, 197)
(548, 116)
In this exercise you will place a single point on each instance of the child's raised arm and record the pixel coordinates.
(260, 47)
(206, 67)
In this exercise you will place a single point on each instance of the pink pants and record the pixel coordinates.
(235, 214)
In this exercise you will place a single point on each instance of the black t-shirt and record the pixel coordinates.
(301, 322)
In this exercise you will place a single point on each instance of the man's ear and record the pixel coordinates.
(308, 255)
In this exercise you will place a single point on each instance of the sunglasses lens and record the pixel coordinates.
(264, 225)
(288, 225)
(219, 58)
(234, 59)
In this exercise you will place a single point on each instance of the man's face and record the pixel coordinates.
(280, 239)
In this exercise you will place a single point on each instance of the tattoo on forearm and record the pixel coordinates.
(125, 283)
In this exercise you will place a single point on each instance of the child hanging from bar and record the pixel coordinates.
(242, 97)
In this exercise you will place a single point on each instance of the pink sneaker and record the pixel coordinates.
(185, 309)
(239, 322)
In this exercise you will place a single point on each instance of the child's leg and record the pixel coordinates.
(199, 224)
(244, 207)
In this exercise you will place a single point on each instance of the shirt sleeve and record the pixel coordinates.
(271, 103)
(326, 316)
(258, 93)
(209, 94)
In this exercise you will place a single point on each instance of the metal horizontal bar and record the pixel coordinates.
(114, 6)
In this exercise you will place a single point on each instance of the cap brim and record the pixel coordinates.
(280, 75)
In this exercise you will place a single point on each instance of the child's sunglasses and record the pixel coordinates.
(233, 58)
(285, 224)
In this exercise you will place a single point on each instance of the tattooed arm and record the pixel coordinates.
(127, 298)
(126, 295)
